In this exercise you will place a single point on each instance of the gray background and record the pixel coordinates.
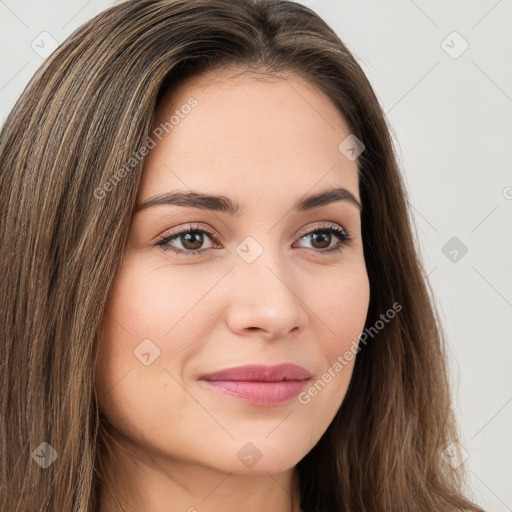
(450, 112)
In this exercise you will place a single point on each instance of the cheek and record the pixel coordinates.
(343, 307)
(150, 299)
(140, 301)
(148, 312)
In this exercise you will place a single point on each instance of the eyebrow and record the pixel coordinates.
(226, 205)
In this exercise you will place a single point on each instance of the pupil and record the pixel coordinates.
(193, 241)
(321, 237)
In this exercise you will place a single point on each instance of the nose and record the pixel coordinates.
(264, 298)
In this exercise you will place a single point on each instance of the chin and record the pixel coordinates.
(259, 456)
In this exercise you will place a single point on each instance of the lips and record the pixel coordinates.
(259, 384)
(260, 373)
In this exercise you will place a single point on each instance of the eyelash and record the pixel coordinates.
(343, 235)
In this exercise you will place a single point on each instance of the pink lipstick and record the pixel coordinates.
(259, 384)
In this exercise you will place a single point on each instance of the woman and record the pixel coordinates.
(213, 298)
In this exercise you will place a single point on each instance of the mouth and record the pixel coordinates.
(259, 384)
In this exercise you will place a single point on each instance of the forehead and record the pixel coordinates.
(248, 134)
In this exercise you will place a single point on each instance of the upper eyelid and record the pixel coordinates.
(195, 227)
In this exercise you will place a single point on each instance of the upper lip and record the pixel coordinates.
(260, 373)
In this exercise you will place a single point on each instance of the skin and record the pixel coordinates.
(265, 144)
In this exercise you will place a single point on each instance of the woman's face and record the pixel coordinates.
(257, 287)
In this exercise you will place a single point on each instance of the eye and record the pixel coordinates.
(192, 239)
(322, 237)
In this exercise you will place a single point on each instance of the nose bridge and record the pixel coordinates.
(261, 263)
(265, 297)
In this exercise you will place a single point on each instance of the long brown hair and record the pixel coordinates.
(83, 115)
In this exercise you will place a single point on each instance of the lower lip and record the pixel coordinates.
(259, 393)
